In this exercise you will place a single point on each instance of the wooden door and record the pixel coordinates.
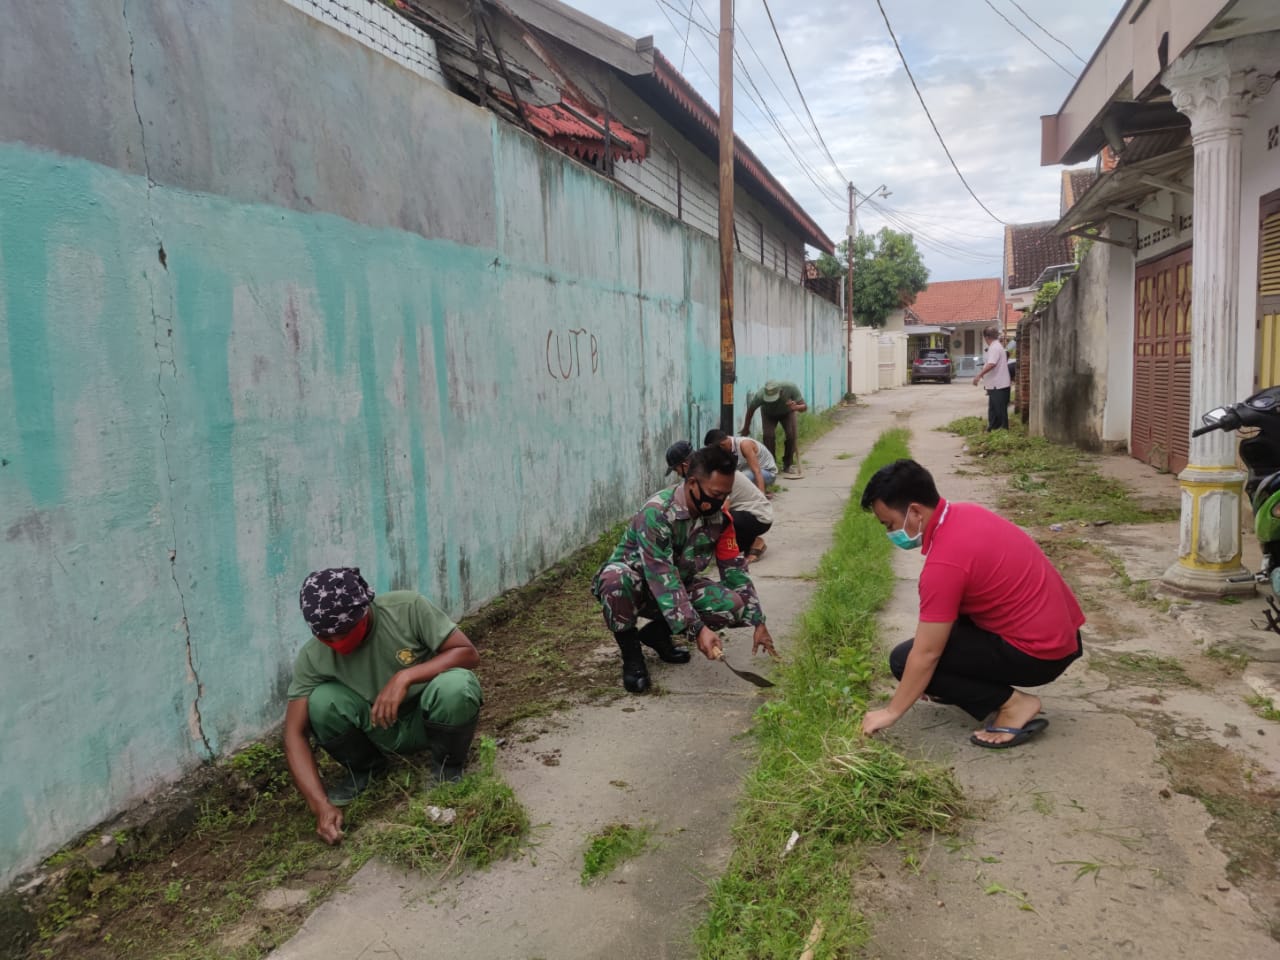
(1162, 362)
(1268, 366)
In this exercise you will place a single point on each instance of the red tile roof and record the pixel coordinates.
(958, 301)
(578, 130)
(1029, 248)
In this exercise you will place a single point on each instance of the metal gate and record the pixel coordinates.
(1162, 362)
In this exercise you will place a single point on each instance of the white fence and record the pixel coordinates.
(877, 361)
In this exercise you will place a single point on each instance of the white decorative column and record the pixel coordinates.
(1215, 86)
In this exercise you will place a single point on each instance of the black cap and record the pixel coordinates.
(678, 453)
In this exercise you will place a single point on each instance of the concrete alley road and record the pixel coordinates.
(674, 759)
(1082, 845)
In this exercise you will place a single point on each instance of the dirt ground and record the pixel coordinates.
(1144, 822)
(246, 869)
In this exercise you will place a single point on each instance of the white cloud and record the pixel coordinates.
(985, 85)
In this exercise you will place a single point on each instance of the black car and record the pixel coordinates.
(933, 363)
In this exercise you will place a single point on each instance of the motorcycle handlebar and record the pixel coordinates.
(1201, 431)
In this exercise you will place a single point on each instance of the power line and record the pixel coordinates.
(757, 98)
(1047, 33)
(787, 60)
(1024, 36)
(687, 27)
(925, 107)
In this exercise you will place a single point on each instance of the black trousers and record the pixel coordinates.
(998, 409)
(978, 670)
(746, 527)
(790, 427)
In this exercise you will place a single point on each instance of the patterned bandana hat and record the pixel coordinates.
(334, 600)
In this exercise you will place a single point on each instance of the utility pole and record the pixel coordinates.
(848, 293)
(727, 356)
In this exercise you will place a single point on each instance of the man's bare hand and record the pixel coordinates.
(878, 720)
(763, 640)
(329, 824)
(709, 643)
(386, 709)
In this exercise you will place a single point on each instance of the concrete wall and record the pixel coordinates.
(268, 302)
(1070, 362)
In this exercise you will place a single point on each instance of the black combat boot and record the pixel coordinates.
(656, 635)
(635, 675)
(361, 761)
(449, 748)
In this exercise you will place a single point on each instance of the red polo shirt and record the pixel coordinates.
(978, 564)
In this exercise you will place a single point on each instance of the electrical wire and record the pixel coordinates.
(817, 179)
(925, 107)
(758, 99)
(786, 59)
(1047, 33)
(1025, 37)
(687, 27)
(825, 191)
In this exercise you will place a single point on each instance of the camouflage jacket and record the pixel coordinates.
(669, 546)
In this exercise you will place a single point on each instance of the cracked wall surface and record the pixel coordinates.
(268, 302)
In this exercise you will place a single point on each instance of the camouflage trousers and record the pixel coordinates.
(624, 595)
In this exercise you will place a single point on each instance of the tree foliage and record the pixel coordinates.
(888, 272)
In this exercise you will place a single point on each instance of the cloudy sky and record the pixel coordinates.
(985, 85)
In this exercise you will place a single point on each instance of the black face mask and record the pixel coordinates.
(705, 504)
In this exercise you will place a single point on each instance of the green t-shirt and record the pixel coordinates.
(778, 408)
(406, 630)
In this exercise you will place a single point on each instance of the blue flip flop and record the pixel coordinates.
(1020, 735)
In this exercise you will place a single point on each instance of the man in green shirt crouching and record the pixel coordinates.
(390, 675)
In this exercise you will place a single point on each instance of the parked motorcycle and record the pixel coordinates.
(1260, 451)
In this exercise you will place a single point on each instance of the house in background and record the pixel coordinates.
(1178, 100)
(952, 314)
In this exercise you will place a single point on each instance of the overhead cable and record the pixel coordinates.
(925, 107)
(1047, 33)
(787, 60)
(1024, 36)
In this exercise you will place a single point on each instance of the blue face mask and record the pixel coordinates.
(904, 540)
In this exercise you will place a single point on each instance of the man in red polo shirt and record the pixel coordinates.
(994, 612)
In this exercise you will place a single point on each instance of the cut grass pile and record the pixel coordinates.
(610, 847)
(1051, 483)
(816, 775)
(476, 821)
(1143, 668)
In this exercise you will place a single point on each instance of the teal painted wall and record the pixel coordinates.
(183, 437)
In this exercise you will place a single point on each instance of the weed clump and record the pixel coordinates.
(476, 821)
(1052, 483)
(611, 846)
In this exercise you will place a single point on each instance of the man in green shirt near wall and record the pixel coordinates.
(779, 401)
(380, 676)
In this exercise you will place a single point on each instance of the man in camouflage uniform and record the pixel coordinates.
(655, 572)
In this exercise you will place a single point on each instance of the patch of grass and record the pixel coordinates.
(1263, 707)
(810, 426)
(1147, 668)
(1247, 818)
(816, 774)
(1229, 658)
(965, 427)
(488, 823)
(611, 846)
(844, 456)
(1049, 482)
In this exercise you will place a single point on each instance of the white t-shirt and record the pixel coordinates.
(746, 496)
(998, 377)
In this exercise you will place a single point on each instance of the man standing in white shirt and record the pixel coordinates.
(996, 373)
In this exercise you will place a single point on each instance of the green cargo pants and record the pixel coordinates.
(451, 699)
